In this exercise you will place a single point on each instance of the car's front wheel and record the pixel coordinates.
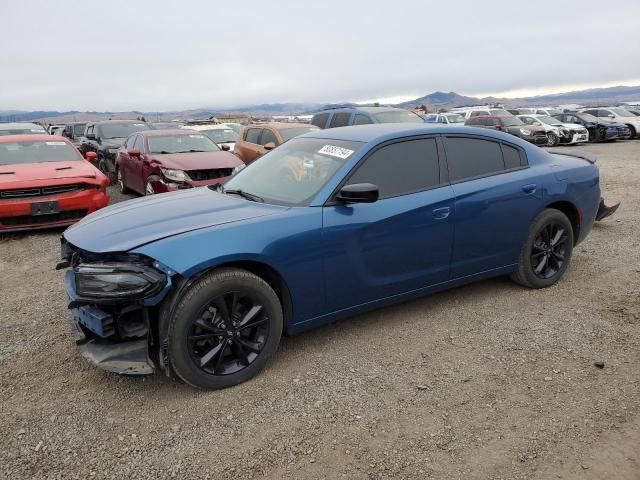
(547, 251)
(121, 185)
(552, 139)
(225, 329)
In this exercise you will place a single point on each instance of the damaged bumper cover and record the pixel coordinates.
(114, 333)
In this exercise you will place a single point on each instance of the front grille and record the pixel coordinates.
(41, 192)
(34, 220)
(212, 174)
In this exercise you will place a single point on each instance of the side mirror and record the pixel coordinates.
(270, 146)
(91, 156)
(90, 136)
(358, 193)
(134, 153)
(611, 115)
(224, 147)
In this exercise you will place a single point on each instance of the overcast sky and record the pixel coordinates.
(160, 55)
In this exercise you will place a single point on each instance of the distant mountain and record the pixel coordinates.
(591, 95)
(434, 101)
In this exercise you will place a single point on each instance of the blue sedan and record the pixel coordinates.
(203, 282)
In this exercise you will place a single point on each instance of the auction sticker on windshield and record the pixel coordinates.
(334, 151)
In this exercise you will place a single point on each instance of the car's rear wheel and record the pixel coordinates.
(121, 185)
(547, 251)
(552, 139)
(225, 329)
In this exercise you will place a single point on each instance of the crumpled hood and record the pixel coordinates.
(28, 172)
(198, 160)
(127, 225)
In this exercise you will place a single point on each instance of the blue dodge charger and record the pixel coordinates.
(203, 282)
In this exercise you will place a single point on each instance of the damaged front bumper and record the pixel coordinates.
(115, 335)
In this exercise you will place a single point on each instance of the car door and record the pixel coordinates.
(401, 242)
(496, 198)
(123, 162)
(250, 148)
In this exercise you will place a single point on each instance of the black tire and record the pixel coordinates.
(542, 263)
(120, 181)
(204, 350)
(552, 139)
(632, 131)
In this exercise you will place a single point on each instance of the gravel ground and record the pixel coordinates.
(487, 381)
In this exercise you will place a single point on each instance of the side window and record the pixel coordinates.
(541, 112)
(268, 137)
(527, 120)
(471, 157)
(361, 119)
(139, 143)
(604, 113)
(320, 120)
(442, 119)
(340, 119)
(89, 130)
(592, 112)
(129, 143)
(512, 158)
(401, 168)
(253, 135)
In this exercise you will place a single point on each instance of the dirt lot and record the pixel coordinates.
(488, 381)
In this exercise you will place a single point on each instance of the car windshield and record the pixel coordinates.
(511, 121)
(397, 116)
(455, 118)
(78, 129)
(37, 152)
(553, 111)
(289, 133)
(121, 130)
(295, 172)
(190, 143)
(548, 120)
(621, 112)
(221, 136)
(587, 117)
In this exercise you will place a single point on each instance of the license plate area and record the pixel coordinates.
(44, 208)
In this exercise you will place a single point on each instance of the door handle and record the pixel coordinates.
(531, 188)
(441, 213)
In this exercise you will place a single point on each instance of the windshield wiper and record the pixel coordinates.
(248, 196)
(192, 151)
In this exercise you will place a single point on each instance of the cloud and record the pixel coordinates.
(160, 55)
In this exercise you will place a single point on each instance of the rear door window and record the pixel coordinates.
(471, 157)
(512, 157)
(340, 119)
(320, 120)
(361, 119)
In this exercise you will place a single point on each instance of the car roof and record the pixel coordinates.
(10, 125)
(36, 137)
(207, 126)
(164, 132)
(100, 122)
(280, 125)
(361, 109)
(380, 132)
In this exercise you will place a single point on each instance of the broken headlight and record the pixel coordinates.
(117, 280)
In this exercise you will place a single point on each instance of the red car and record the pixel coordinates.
(45, 182)
(156, 161)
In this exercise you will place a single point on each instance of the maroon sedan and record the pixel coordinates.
(156, 161)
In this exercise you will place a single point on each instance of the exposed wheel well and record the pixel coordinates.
(570, 210)
(275, 281)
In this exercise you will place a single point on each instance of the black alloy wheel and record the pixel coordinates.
(228, 334)
(549, 250)
(224, 330)
(546, 253)
(552, 139)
